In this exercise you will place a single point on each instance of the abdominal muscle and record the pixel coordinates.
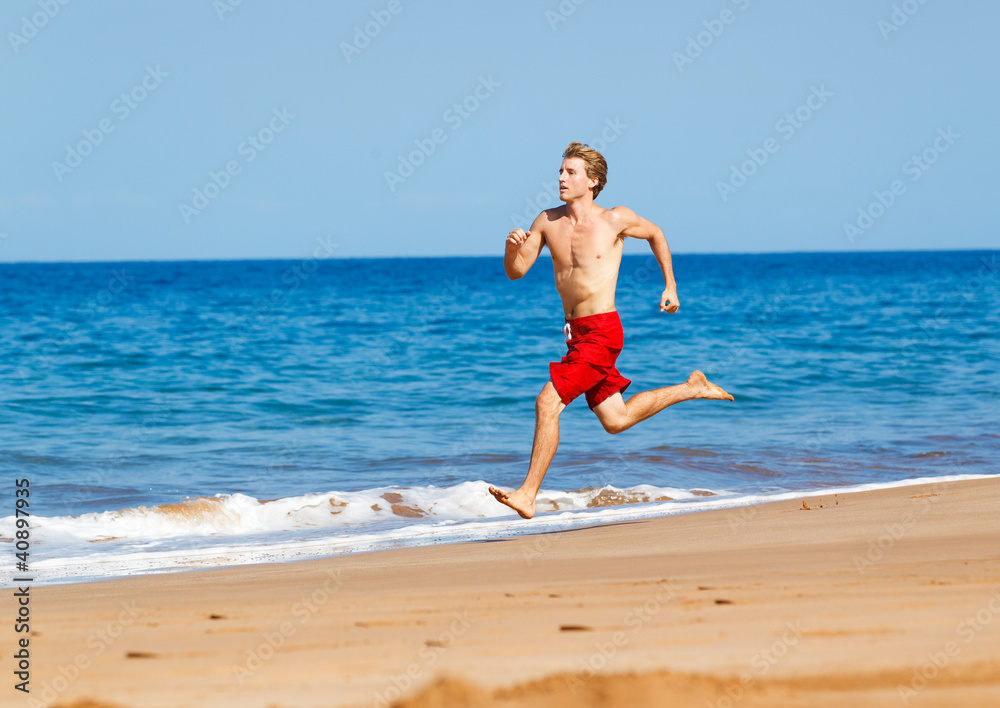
(586, 291)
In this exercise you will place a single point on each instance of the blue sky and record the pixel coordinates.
(400, 128)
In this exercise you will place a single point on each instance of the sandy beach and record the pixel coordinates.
(881, 598)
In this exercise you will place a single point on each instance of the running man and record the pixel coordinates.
(586, 243)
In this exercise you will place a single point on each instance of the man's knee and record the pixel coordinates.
(613, 425)
(548, 401)
(613, 414)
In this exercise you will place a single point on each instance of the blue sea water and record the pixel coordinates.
(374, 399)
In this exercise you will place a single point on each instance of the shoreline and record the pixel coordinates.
(828, 600)
(241, 549)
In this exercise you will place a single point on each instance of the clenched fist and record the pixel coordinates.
(668, 300)
(516, 239)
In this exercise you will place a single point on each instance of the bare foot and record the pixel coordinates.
(703, 388)
(516, 500)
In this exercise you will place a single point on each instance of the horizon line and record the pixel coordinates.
(545, 254)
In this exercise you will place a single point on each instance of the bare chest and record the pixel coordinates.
(584, 245)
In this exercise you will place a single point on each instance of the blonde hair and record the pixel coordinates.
(594, 162)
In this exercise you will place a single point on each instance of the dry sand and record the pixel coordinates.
(882, 598)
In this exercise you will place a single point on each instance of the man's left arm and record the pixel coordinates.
(635, 226)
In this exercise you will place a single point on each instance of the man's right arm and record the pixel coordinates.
(523, 249)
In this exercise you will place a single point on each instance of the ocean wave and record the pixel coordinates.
(239, 514)
(229, 530)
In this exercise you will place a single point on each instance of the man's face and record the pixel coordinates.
(573, 180)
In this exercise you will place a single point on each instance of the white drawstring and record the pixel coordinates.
(566, 331)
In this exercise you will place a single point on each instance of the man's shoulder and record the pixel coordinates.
(619, 213)
(549, 216)
(620, 218)
(615, 212)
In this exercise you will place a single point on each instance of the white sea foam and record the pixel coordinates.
(238, 514)
(234, 529)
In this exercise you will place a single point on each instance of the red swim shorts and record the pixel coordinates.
(594, 344)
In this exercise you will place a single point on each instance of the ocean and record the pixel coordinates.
(179, 415)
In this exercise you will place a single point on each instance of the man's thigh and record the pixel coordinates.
(549, 398)
(611, 410)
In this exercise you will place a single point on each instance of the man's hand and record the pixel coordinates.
(523, 247)
(668, 301)
(516, 239)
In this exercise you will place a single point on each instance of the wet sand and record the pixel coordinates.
(882, 598)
